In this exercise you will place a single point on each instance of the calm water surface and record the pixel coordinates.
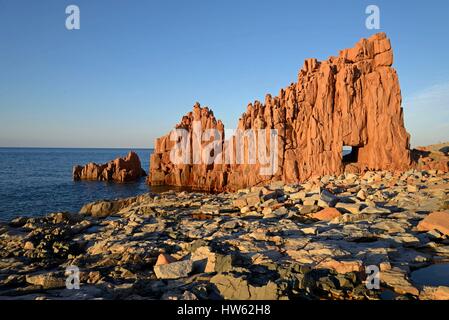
(434, 275)
(36, 181)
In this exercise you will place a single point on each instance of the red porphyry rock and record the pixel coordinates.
(433, 157)
(341, 266)
(435, 221)
(326, 214)
(119, 170)
(434, 293)
(353, 99)
(164, 258)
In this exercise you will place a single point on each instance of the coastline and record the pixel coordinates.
(303, 241)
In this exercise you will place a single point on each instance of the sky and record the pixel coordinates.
(135, 67)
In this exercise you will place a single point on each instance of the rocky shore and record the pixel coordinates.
(301, 241)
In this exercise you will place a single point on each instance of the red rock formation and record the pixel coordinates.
(353, 99)
(199, 176)
(432, 157)
(120, 170)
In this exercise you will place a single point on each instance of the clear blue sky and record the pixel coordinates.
(135, 67)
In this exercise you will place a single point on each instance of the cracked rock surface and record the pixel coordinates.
(299, 241)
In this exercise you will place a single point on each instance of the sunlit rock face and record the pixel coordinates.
(118, 170)
(352, 99)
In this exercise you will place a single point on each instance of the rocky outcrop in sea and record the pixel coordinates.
(118, 170)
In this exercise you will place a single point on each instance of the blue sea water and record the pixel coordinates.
(37, 181)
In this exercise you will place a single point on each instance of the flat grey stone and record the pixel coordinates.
(174, 270)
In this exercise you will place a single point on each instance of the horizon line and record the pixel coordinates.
(130, 148)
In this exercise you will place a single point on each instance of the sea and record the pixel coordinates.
(38, 181)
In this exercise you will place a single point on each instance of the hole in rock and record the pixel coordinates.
(350, 154)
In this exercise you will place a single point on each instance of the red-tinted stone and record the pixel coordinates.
(353, 99)
(435, 221)
(120, 170)
(327, 214)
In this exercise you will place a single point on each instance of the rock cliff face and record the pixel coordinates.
(353, 99)
(119, 170)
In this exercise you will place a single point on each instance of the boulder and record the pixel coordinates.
(298, 195)
(329, 198)
(164, 258)
(104, 208)
(435, 221)
(341, 266)
(174, 270)
(353, 208)
(397, 279)
(238, 288)
(204, 259)
(375, 210)
(434, 293)
(326, 214)
(47, 280)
